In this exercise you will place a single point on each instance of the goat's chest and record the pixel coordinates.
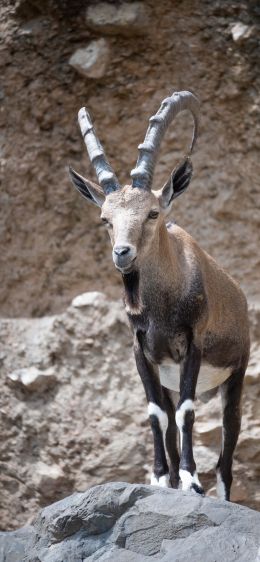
(159, 346)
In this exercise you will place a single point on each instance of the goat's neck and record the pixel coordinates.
(159, 273)
(161, 266)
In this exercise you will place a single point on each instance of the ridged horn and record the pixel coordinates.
(106, 177)
(142, 174)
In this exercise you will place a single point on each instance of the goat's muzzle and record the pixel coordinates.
(124, 257)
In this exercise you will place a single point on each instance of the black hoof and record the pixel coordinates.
(198, 489)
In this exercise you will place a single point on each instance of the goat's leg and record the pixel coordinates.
(231, 391)
(185, 419)
(171, 438)
(157, 414)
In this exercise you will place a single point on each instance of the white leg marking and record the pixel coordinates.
(154, 410)
(154, 481)
(162, 481)
(221, 490)
(187, 479)
(186, 406)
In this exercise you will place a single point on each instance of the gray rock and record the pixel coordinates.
(13, 544)
(48, 478)
(132, 523)
(126, 18)
(93, 298)
(240, 32)
(33, 379)
(92, 60)
(32, 27)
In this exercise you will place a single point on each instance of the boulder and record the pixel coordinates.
(92, 60)
(48, 478)
(125, 19)
(133, 523)
(33, 379)
(93, 298)
(240, 32)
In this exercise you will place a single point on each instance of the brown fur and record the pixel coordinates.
(222, 331)
(181, 288)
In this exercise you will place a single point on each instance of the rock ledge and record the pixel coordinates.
(134, 523)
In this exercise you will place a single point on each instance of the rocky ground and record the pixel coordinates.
(134, 523)
(73, 412)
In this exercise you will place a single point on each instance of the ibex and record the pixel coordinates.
(188, 317)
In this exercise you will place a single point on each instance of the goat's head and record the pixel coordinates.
(134, 213)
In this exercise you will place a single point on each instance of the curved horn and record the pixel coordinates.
(106, 177)
(142, 174)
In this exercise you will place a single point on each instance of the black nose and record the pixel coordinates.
(121, 250)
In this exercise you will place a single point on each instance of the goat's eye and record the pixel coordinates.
(153, 214)
(105, 221)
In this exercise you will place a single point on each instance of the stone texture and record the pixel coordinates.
(92, 60)
(91, 426)
(125, 18)
(134, 523)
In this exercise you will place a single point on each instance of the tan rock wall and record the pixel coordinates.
(52, 244)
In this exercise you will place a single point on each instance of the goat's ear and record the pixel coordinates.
(176, 185)
(90, 190)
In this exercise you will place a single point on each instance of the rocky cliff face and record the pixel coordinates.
(73, 412)
(134, 523)
(53, 246)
